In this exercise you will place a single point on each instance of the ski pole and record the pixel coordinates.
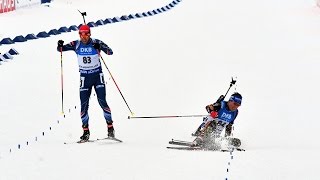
(83, 14)
(115, 83)
(233, 82)
(221, 98)
(136, 117)
(62, 111)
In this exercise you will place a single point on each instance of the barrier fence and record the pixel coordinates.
(100, 22)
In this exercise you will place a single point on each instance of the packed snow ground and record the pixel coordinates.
(174, 63)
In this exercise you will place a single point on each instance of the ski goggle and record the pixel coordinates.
(84, 34)
(236, 104)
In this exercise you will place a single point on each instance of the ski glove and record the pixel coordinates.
(209, 108)
(60, 43)
(214, 114)
(97, 46)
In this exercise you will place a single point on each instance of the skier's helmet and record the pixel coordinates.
(236, 97)
(84, 29)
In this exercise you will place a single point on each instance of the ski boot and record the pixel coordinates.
(110, 130)
(197, 132)
(235, 142)
(85, 136)
(86, 133)
(198, 142)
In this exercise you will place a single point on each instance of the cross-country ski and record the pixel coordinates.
(95, 140)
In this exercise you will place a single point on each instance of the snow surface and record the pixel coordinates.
(174, 63)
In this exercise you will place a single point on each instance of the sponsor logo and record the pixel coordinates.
(7, 5)
(86, 50)
(89, 67)
(226, 116)
(89, 71)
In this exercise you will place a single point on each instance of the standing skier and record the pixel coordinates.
(88, 52)
(222, 116)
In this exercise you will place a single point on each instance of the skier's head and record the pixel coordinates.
(236, 97)
(234, 101)
(85, 33)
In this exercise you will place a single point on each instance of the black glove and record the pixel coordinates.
(97, 46)
(60, 43)
(209, 108)
(215, 107)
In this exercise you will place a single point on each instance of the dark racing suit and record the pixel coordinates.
(90, 76)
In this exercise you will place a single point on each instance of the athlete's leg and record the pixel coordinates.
(100, 89)
(85, 92)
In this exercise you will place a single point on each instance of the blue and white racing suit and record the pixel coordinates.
(225, 119)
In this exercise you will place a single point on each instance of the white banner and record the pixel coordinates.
(26, 3)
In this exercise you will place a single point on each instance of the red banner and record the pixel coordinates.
(7, 5)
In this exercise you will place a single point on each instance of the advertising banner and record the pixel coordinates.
(7, 5)
(26, 3)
